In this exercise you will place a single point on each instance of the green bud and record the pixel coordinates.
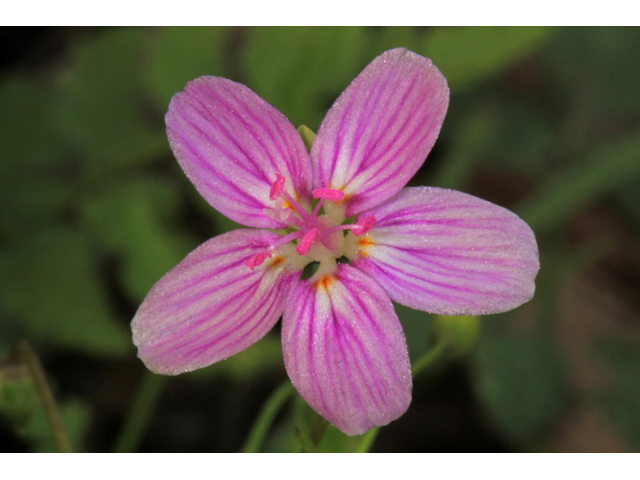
(459, 333)
(307, 136)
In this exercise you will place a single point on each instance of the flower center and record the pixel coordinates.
(319, 238)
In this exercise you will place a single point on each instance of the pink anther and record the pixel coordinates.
(363, 226)
(328, 194)
(257, 259)
(277, 187)
(306, 241)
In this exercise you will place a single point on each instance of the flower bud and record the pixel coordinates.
(459, 333)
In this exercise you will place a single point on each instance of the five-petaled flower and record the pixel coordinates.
(431, 249)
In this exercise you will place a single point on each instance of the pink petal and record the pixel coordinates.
(380, 130)
(449, 253)
(345, 351)
(231, 144)
(211, 305)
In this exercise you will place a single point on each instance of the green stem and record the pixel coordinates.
(140, 412)
(267, 415)
(304, 439)
(60, 435)
(428, 359)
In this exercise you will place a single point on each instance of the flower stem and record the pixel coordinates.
(54, 418)
(266, 417)
(140, 412)
(428, 359)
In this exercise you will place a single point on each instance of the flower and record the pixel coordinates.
(431, 249)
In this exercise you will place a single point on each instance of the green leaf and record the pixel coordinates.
(101, 106)
(520, 382)
(301, 70)
(50, 284)
(605, 169)
(27, 137)
(30, 186)
(467, 55)
(131, 218)
(183, 54)
(29, 197)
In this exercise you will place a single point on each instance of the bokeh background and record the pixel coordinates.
(94, 210)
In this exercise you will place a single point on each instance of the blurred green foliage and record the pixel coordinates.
(469, 55)
(181, 54)
(299, 69)
(141, 208)
(99, 104)
(520, 380)
(51, 283)
(94, 209)
(622, 398)
(22, 408)
(601, 171)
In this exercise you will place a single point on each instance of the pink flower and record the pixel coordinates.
(431, 249)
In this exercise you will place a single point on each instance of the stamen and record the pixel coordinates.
(329, 194)
(301, 211)
(360, 228)
(277, 187)
(306, 241)
(258, 259)
(286, 239)
(363, 226)
(291, 219)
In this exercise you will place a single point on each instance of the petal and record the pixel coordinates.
(449, 253)
(211, 305)
(380, 130)
(345, 351)
(231, 143)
